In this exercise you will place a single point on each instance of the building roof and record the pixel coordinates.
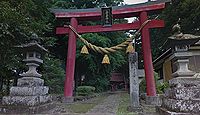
(160, 59)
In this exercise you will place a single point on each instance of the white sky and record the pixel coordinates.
(134, 1)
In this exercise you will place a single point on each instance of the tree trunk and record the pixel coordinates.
(8, 86)
(1, 83)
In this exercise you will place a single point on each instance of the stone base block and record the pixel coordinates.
(163, 111)
(68, 100)
(29, 82)
(29, 91)
(184, 93)
(188, 106)
(25, 110)
(153, 100)
(26, 100)
(185, 82)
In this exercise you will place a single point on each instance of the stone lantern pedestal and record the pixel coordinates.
(30, 95)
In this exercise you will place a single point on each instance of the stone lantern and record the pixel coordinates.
(183, 96)
(33, 56)
(30, 95)
(180, 44)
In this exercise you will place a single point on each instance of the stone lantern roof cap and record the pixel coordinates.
(178, 35)
(33, 45)
(178, 38)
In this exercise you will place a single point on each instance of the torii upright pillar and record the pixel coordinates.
(148, 65)
(70, 63)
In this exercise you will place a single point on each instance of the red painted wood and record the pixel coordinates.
(115, 27)
(117, 13)
(71, 57)
(148, 66)
(140, 11)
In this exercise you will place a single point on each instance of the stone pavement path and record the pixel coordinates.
(107, 107)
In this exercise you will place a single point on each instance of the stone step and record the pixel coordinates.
(188, 106)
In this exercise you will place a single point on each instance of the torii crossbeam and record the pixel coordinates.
(137, 10)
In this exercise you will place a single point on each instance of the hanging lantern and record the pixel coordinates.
(84, 50)
(106, 60)
(130, 48)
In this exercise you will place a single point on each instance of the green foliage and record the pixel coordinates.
(53, 74)
(160, 87)
(189, 13)
(18, 19)
(142, 84)
(85, 90)
(77, 4)
(97, 74)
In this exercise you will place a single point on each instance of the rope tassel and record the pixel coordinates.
(106, 60)
(130, 48)
(84, 50)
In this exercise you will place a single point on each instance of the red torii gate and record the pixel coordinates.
(137, 10)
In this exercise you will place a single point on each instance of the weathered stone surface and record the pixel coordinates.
(183, 74)
(26, 100)
(29, 91)
(182, 98)
(68, 99)
(164, 111)
(182, 71)
(183, 93)
(184, 82)
(25, 110)
(153, 100)
(188, 106)
(134, 80)
(30, 82)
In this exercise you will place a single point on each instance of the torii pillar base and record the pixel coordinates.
(68, 100)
